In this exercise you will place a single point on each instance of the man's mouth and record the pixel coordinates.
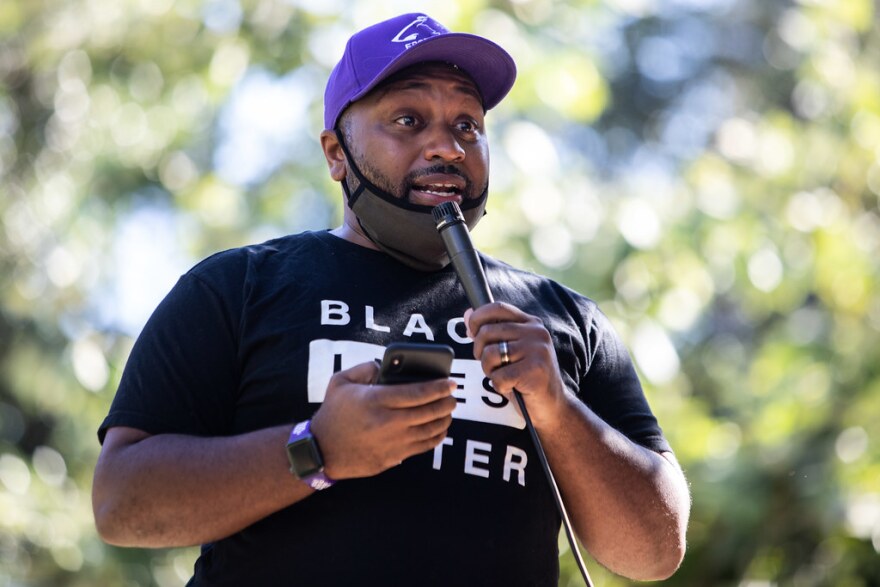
(435, 190)
(438, 189)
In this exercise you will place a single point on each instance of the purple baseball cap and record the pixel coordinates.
(383, 49)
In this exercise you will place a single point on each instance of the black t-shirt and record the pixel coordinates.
(249, 338)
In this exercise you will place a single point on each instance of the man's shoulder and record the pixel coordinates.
(288, 247)
(539, 285)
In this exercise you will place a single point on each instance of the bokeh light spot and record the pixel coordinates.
(14, 474)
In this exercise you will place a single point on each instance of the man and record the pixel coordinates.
(432, 483)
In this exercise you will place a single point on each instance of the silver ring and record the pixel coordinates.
(504, 350)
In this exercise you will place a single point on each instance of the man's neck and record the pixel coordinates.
(353, 235)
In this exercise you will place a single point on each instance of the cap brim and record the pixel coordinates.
(490, 66)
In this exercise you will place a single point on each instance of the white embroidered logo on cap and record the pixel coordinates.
(422, 30)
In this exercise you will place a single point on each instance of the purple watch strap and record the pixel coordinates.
(319, 480)
(299, 430)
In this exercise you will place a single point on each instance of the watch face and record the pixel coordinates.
(304, 458)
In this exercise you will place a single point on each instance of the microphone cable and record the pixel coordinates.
(456, 238)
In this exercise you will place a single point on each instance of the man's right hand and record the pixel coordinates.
(165, 490)
(365, 428)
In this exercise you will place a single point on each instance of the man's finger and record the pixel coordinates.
(364, 373)
(411, 395)
(431, 412)
(490, 313)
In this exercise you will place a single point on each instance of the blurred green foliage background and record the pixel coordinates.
(708, 170)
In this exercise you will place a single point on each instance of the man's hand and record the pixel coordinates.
(629, 504)
(365, 428)
(532, 370)
(165, 490)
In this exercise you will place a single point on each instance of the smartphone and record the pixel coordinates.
(409, 362)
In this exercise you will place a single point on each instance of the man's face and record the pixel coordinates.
(421, 137)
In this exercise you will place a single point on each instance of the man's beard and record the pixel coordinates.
(404, 230)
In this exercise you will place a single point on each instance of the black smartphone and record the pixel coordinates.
(409, 362)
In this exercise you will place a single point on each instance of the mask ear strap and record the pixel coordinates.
(352, 197)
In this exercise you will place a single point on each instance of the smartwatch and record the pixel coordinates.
(305, 457)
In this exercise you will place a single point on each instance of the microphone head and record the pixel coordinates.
(447, 213)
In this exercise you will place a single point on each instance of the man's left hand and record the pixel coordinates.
(531, 369)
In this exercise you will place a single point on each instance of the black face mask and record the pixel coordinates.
(401, 229)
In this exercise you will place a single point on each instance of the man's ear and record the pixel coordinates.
(334, 154)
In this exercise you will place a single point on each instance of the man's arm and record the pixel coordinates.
(629, 505)
(176, 490)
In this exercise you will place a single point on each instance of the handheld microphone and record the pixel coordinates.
(457, 239)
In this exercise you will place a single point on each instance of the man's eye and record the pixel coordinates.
(406, 120)
(467, 126)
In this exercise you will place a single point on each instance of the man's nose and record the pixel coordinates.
(443, 144)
